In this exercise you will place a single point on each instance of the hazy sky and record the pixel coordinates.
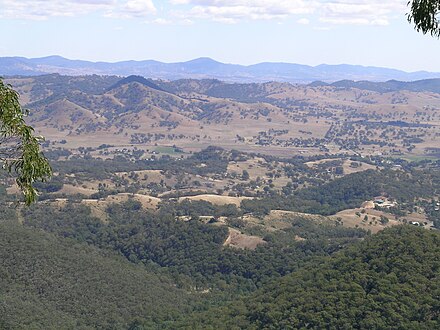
(367, 32)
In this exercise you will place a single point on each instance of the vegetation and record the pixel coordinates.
(375, 284)
(20, 148)
(340, 118)
(424, 15)
(142, 230)
(51, 283)
(352, 190)
(192, 251)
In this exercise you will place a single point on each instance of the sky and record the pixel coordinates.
(312, 32)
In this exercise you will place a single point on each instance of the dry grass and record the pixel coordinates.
(351, 220)
(236, 239)
(216, 199)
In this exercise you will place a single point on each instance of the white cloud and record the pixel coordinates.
(303, 21)
(233, 11)
(360, 12)
(161, 21)
(164, 21)
(329, 12)
(365, 12)
(133, 8)
(43, 9)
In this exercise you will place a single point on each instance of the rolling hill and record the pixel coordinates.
(366, 118)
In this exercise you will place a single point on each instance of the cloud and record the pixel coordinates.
(43, 9)
(164, 21)
(328, 12)
(371, 12)
(233, 11)
(364, 12)
(161, 21)
(303, 21)
(133, 8)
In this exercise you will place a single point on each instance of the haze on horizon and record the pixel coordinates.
(369, 33)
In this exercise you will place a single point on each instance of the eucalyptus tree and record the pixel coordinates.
(425, 14)
(20, 152)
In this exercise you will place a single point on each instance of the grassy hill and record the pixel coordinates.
(365, 118)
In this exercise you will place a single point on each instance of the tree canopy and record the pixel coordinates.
(19, 147)
(424, 14)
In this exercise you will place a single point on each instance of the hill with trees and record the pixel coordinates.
(389, 281)
(48, 282)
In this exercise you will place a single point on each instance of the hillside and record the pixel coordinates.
(51, 283)
(375, 284)
(364, 118)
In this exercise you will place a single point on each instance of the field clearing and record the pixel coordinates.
(216, 199)
(236, 239)
(255, 167)
(72, 190)
(152, 175)
(350, 170)
(148, 202)
(351, 220)
(280, 219)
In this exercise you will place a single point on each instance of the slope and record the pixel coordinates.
(53, 283)
(389, 281)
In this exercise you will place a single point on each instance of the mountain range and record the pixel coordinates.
(203, 68)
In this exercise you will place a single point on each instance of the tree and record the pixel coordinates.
(19, 147)
(424, 14)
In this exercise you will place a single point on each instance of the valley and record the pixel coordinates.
(267, 118)
(211, 195)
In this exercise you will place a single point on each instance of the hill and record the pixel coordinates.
(138, 79)
(49, 282)
(363, 118)
(206, 68)
(375, 284)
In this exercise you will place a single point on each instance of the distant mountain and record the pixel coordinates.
(206, 68)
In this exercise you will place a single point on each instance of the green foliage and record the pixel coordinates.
(52, 283)
(351, 191)
(192, 251)
(213, 159)
(20, 152)
(389, 281)
(425, 16)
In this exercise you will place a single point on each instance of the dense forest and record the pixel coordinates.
(192, 251)
(48, 282)
(63, 268)
(389, 281)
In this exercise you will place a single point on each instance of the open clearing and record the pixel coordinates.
(239, 240)
(350, 218)
(216, 199)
